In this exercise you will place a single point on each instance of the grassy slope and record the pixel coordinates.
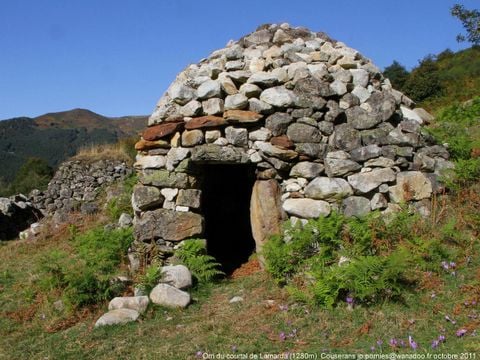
(31, 328)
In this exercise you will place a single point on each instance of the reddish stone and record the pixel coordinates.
(241, 116)
(144, 145)
(162, 130)
(282, 141)
(205, 122)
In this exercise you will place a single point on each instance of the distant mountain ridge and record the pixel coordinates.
(57, 136)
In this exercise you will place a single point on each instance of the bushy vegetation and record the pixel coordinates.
(35, 173)
(459, 126)
(122, 203)
(85, 274)
(368, 260)
(193, 254)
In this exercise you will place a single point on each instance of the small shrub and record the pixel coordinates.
(150, 278)
(330, 258)
(122, 204)
(193, 254)
(84, 274)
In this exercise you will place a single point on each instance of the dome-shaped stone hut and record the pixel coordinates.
(284, 123)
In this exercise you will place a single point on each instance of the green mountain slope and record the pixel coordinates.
(56, 136)
(440, 80)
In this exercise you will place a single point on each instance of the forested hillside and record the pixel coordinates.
(55, 137)
(439, 80)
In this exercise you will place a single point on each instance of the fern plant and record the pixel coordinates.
(150, 278)
(204, 268)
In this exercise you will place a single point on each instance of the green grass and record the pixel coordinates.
(30, 328)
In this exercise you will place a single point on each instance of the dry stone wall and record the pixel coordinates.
(76, 185)
(323, 127)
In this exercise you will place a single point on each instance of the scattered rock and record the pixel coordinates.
(177, 276)
(117, 317)
(167, 295)
(137, 303)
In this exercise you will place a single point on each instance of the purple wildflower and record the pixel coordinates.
(283, 307)
(379, 343)
(393, 342)
(466, 303)
(349, 300)
(444, 265)
(435, 344)
(441, 338)
(412, 343)
(453, 265)
(372, 348)
(461, 332)
(474, 302)
(199, 354)
(282, 336)
(402, 343)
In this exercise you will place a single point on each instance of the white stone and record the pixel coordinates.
(378, 202)
(236, 102)
(278, 96)
(175, 155)
(256, 65)
(213, 106)
(308, 170)
(362, 93)
(272, 52)
(250, 90)
(181, 93)
(117, 316)
(360, 77)
(262, 78)
(169, 193)
(367, 181)
(151, 162)
(137, 303)
(326, 188)
(411, 185)
(221, 141)
(306, 208)
(227, 84)
(212, 135)
(209, 89)
(380, 162)
(236, 136)
(180, 208)
(192, 108)
(262, 134)
(236, 299)
(338, 87)
(167, 295)
(177, 276)
(411, 115)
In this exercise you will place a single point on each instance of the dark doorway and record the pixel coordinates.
(226, 206)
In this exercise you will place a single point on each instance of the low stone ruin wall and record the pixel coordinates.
(76, 185)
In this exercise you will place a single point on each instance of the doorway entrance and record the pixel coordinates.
(226, 193)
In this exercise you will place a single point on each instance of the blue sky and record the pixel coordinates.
(117, 57)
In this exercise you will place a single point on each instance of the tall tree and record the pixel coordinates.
(470, 20)
(424, 82)
(34, 174)
(397, 74)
